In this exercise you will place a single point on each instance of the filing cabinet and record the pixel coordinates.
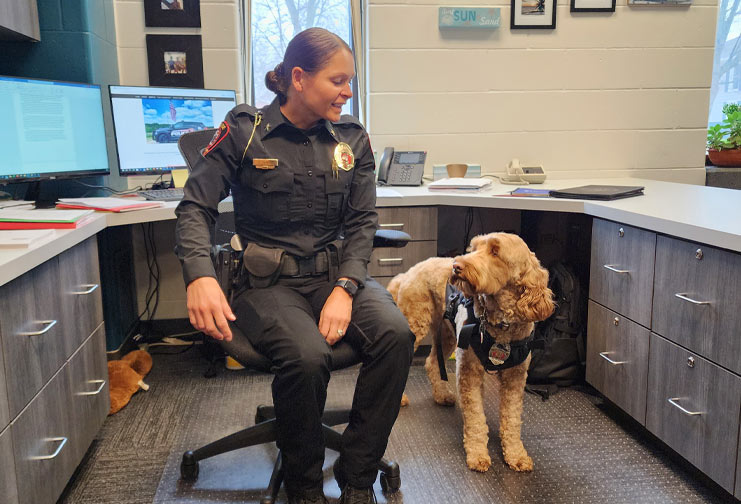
(421, 225)
(673, 360)
(697, 299)
(52, 342)
(693, 406)
(617, 359)
(622, 269)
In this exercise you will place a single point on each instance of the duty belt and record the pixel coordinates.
(293, 266)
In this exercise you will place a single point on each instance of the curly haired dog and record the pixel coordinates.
(508, 285)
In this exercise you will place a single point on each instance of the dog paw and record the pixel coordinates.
(480, 462)
(444, 397)
(521, 463)
(404, 400)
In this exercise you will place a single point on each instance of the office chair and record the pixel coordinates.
(227, 262)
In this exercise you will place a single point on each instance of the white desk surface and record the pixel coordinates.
(707, 215)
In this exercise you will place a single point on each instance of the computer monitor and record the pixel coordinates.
(149, 120)
(50, 129)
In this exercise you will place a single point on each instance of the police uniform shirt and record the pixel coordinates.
(298, 204)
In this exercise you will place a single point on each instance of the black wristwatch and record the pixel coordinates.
(348, 285)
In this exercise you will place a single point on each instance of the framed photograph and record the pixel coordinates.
(175, 61)
(526, 14)
(172, 13)
(592, 5)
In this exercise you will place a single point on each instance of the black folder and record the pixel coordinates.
(598, 192)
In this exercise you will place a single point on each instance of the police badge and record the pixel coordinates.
(343, 159)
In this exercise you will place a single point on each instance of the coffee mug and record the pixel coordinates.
(456, 170)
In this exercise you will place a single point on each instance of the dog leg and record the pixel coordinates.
(470, 379)
(441, 391)
(511, 393)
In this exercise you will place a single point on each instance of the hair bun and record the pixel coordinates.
(279, 69)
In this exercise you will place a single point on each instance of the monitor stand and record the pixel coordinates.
(33, 193)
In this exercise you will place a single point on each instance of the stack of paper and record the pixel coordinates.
(468, 184)
(24, 238)
(44, 219)
(108, 204)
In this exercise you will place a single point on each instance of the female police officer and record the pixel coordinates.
(301, 177)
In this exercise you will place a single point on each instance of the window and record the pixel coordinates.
(726, 86)
(273, 23)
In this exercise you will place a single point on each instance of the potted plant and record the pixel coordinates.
(724, 139)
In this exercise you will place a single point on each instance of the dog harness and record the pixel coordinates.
(493, 356)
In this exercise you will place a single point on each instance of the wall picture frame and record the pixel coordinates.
(533, 14)
(661, 3)
(172, 13)
(175, 61)
(592, 5)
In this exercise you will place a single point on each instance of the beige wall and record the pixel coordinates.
(604, 94)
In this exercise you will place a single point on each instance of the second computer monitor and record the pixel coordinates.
(149, 120)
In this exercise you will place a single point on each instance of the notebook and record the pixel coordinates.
(598, 192)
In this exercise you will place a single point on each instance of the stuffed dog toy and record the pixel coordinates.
(504, 289)
(126, 377)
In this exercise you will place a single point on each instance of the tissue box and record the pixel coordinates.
(439, 171)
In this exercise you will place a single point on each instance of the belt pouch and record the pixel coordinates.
(262, 265)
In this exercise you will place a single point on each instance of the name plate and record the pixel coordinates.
(468, 17)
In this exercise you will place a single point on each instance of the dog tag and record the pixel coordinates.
(498, 353)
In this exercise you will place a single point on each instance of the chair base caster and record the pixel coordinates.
(189, 467)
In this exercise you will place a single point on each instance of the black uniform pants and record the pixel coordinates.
(281, 323)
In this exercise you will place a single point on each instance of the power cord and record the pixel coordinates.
(110, 189)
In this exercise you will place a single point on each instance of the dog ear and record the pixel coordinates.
(536, 301)
(494, 244)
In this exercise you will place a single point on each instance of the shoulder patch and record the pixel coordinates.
(244, 108)
(221, 133)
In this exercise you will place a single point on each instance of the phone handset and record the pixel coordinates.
(523, 175)
(384, 164)
(514, 174)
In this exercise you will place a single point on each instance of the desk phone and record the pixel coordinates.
(402, 168)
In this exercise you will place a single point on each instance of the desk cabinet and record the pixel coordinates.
(421, 224)
(4, 410)
(680, 300)
(53, 347)
(693, 406)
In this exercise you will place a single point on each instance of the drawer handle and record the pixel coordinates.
(613, 268)
(49, 325)
(56, 452)
(604, 355)
(102, 384)
(673, 402)
(91, 288)
(396, 226)
(683, 296)
(390, 260)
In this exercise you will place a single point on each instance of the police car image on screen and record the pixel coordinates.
(148, 121)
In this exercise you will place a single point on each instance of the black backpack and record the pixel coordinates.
(559, 354)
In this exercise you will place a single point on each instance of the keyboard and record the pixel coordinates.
(173, 194)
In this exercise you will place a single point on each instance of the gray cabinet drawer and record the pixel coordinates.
(702, 420)
(697, 298)
(42, 442)
(4, 408)
(419, 222)
(386, 262)
(8, 489)
(89, 399)
(622, 269)
(32, 337)
(737, 494)
(617, 359)
(82, 306)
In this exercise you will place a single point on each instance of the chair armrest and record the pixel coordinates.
(390, 238)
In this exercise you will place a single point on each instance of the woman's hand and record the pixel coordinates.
(208, 309)
(335, 316)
